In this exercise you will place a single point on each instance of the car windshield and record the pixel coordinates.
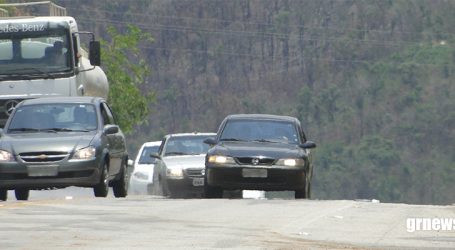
(261, 131)
(28, 53)
(145, 157)
(186, 145)
(54, 118)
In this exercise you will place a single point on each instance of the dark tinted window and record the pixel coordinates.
(251, 130)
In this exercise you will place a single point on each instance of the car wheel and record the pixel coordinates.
(120, 186)
(303, 193)
(102, 188)
(209, 191)
(3, 194)
(159, 186)
(22, 194)
(212, 192)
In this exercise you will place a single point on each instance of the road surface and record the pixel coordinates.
(73, 219)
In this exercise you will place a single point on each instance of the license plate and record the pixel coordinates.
(254, 173)
(198, 182)
(39, 170)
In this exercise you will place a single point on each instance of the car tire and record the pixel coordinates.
(209, 191)
(303, 193)
(102, 188)
(22, 194)
(3, 194)
(159, 186)
(212, 192)
(120, 186)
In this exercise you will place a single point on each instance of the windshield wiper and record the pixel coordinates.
(231, 139)
(23, 129)
(264, 140)
(175, 153)
(65, 130)
(36, 71)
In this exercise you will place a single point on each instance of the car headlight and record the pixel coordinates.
(291, 162)
(221, 159)
(5, 156)
(174, 173)
(85, 153)
(141, 175)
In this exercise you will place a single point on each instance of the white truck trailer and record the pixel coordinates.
(42, 56)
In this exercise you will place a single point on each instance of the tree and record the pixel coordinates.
(126, 70)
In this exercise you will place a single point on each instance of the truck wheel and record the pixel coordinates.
(102, 188)
(22, 194)
(120, 186)
(3, 194)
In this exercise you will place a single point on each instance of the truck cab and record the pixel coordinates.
(42, 56)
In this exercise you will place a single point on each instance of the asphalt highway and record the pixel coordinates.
(74, 219)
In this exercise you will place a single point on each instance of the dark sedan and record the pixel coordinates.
(259, 152)
(59, 142)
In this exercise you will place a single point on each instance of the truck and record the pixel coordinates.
(43, 56)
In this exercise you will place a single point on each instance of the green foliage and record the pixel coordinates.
(126, 70)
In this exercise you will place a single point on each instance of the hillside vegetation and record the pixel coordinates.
(371, 81)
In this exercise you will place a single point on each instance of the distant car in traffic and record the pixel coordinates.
(259, 152)
(58, 142)
(179, 170)
(142, 177)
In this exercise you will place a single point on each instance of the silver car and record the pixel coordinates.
(179, 169)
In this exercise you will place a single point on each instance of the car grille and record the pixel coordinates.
(43, 156)
(194, 172)
(255, 161)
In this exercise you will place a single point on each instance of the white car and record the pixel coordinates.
(142, 176)
(179, 169)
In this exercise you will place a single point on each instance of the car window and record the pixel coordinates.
(260, 130)
(65, 116)
(145, 157)
(106, 113)
(186, 145)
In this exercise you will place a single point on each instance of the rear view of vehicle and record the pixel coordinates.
(142, 177)
(179, 170)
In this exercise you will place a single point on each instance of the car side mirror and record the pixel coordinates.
(155, 155)
(210, 141)
(111, 129)
(95, 53)
(308, 144)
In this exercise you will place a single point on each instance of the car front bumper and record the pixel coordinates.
(246, 177)
(50, 175)
(186, 185)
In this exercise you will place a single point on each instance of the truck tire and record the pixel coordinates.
(22, 194)
(120, 186)
(102, 188)
(3, 194)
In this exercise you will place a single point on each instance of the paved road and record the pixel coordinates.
(73, 219)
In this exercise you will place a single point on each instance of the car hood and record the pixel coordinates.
(258, 149)
(185, 161)
(39, 142)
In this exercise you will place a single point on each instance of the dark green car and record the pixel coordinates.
(58, 142)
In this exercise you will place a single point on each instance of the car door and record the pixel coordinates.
(116, 142)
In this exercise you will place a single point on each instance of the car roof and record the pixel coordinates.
(191, 134)
(151, 143)
(63, 99)
(261, 117)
